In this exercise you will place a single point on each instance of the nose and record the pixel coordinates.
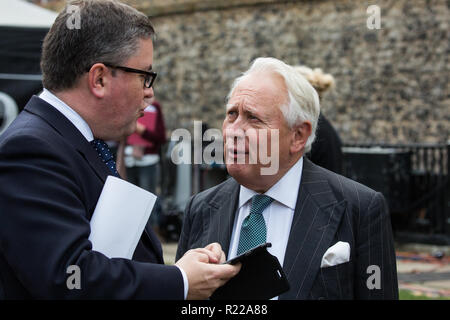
(148, 93)
(238, 125)
(235, 131)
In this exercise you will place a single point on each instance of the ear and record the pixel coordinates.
(300, 134)
(98, 79)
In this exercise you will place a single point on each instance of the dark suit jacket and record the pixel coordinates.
(50, 181)
(330, 208)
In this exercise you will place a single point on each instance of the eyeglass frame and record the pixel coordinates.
(150, 75)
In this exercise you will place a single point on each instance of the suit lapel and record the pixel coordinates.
(65, 128)
(316, 219)
(219, 220)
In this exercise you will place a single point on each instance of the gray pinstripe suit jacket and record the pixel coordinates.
(330, 208)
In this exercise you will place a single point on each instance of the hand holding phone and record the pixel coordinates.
(261, 277)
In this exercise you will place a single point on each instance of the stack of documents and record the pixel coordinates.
(119, 218)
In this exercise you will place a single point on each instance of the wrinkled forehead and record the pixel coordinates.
(260, 89)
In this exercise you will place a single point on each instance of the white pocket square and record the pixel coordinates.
(337, 254)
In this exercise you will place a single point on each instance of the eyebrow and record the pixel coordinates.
(248, 109)
(251, 109)
(230, 105)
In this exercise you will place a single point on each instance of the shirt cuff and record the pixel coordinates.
(186, 283)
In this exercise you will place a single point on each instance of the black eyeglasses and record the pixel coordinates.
(150, 76)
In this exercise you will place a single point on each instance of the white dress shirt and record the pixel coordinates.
(86, 131)
(69, 113)
(278, 215)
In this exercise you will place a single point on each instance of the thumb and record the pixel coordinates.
(226, 271)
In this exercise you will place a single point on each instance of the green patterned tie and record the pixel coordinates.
(253, 230)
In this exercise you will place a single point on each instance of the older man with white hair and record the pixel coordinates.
(332, 235)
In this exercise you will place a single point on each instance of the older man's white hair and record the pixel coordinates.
(303, 101)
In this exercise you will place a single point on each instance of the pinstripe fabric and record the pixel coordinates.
(330, 208)
(209, 217)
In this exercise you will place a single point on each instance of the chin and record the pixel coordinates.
(244, 174)
(130, 129)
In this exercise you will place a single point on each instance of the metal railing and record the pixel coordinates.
(425, 191)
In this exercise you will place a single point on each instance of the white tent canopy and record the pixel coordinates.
(23, 26)
(19, 13)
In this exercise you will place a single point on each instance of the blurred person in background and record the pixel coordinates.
(326, 151)
(142, 154)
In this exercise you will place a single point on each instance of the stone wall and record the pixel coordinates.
(392, 84)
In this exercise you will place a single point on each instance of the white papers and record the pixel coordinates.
(119, 218)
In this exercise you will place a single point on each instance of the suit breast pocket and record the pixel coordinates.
(334, 283)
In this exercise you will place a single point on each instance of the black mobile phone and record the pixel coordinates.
(248, 253)
(261, 277)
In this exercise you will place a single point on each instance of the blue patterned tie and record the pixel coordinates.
(253, 230)
(105, 154)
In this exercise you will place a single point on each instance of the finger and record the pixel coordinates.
(216, 248)
(227, 271)
(223, 258)
(211, 255)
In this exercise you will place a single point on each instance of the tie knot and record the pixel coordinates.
(259, 203)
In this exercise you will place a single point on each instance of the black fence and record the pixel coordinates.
(414, 178)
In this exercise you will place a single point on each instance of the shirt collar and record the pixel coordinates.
(69, 113)
(285, 191)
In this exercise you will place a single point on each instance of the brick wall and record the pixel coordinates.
(392, 84)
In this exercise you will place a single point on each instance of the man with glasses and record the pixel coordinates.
(149, 76)
(54, 163)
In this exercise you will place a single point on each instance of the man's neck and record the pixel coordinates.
(66, 108)
(80, 103)
(263, 185)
